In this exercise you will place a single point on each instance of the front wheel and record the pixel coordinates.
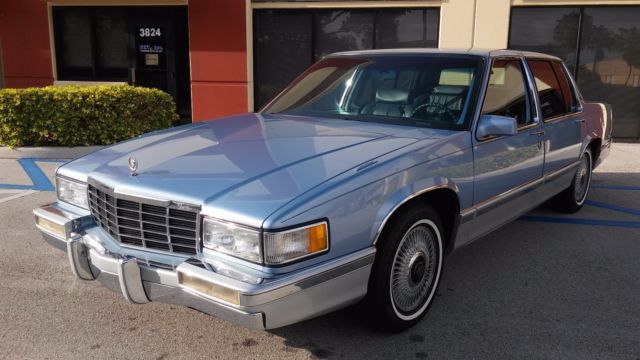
(572, 199)
(407, 270)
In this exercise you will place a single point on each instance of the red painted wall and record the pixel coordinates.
(26, 52)
(217, 37)
(217, 40)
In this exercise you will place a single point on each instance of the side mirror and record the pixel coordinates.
(496, 125)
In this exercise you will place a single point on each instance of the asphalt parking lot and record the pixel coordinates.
(548, 286)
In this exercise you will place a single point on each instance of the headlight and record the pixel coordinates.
(286, 246)
(231, 239)
(72, 192)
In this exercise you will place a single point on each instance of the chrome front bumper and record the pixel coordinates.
(265, 301)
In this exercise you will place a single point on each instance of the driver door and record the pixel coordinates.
(507, 168)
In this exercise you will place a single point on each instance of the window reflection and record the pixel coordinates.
(609, 64)
(608, 61)
(551, 31)
(286, 42)
(343, 30)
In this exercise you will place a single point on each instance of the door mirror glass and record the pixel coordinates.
(496, 125)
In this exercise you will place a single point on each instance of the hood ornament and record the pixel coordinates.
(133, 165)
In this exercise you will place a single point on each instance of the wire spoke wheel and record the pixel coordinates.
(407, 269)
(582, 179)
(414, 270)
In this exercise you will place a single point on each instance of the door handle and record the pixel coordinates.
(537, 133)
(578, 120)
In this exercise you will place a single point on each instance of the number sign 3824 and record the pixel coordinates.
(149, 32)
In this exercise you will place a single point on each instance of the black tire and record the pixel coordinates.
(403, 284)
(572, 199)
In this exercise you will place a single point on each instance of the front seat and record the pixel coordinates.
(389, 102)
(449, 96)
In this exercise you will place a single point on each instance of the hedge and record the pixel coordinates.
(81, 115)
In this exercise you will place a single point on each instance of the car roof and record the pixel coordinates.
(473, 51)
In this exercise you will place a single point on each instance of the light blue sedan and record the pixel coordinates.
(351, 186)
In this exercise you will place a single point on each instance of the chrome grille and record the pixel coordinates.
(136, 222)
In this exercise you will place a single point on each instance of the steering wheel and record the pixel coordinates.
(442, 111)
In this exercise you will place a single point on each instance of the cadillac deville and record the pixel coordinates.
(352, 185)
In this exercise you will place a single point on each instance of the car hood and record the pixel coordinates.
(241, 168)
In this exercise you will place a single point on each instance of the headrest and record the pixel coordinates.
(392, 96)
(449, 89)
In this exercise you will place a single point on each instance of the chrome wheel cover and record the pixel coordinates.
(415, 270)
(582, 179)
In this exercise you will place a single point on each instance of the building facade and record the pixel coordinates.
(218, 57)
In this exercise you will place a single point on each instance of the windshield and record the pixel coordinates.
(428, 90)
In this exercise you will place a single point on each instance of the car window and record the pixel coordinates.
(425, 91)
(568, 93)
(507, 92)
(550, 90)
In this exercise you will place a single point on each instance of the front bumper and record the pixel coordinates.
(253, 300)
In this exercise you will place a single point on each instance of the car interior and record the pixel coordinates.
(418, 94)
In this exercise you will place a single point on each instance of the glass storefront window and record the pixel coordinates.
(75, 28)
(407, 28)
(286, 42)
(342, 30)
(609, 60)
(92, 43)
(282, 50)
(111, 41)
(551, 31)
(600, 45)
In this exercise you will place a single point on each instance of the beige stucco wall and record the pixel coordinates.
(485, 23)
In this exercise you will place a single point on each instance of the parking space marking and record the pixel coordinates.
(578, 221)
(598, 204)
(39, 179)
(17, 195)
(616, 187)
(613, 207)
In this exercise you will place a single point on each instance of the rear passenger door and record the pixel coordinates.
(563, 124)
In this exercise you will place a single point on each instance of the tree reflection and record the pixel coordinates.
(628, 43)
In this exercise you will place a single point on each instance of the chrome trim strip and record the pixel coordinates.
(174, 295)
(254, 295)
(467, 215)
(559, 172)
(141, 199)
(307, 281)
(395, 207)
(492, 203)
(485, 206)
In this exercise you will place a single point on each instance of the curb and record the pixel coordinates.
(47, 152)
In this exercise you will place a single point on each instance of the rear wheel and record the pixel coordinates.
(407, 270)
(572, 199)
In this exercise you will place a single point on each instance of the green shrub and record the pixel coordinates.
(81, 115)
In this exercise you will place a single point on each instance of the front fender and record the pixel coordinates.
(403, 196)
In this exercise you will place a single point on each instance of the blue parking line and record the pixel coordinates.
(595, 222)
(613, 207)
(39, 180)
(616, 187)
(37, 176)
